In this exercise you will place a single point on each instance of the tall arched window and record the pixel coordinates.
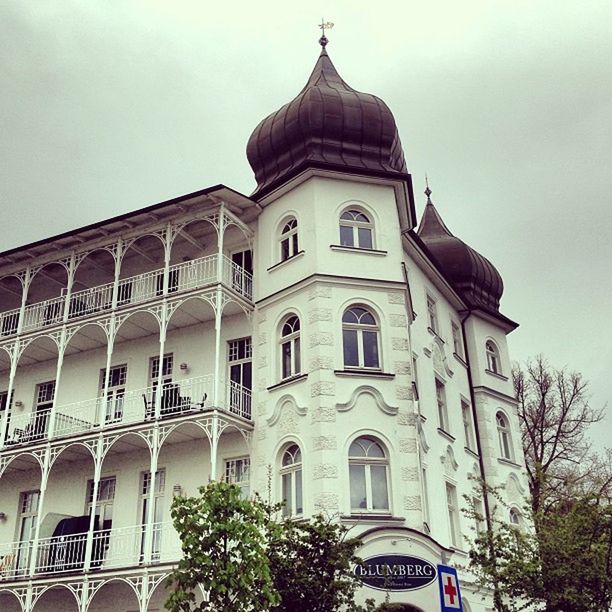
(505, 438)
(356, 230)
(493, 361)
(290, 347)
(515, 517)
(291, 480)
(289, 239)
(368, 471)
(360, 338)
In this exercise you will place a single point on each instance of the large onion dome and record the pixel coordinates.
(471, 274)
(327, 125)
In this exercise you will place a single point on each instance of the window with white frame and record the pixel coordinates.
(360, 338)
(453, 514)
(425, 487)
(515, 517)
(442, 407)
(240, 363)
(432, 314)
(493, 361)
(479, 516)
(103, 506)
(159, 491)
(290, 347)
(457, 344)
(368, 475)
(289, 239)
(504, 436)
(291, 480)
(356, 230)
(468, 425)
(115, 392)
(237, 471)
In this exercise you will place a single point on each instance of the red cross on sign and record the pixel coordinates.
(450, 591)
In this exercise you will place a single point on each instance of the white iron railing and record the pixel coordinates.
(15, 560)
(192, 274)
(41, 314)
(237, 278)
(8, 322)
(28, 427)
(90, 301)
(238, 400)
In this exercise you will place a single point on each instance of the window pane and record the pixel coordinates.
(285, 249)
(298, 365)
(286, 486)
(349, 342)
(370, 349)
(358, 487)
(380, 495)
(365, 237)
(346, 235)
(286, 359)
(295, 243)
(298, 492)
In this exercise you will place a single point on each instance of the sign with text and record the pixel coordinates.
(395, 572)
(450, 595)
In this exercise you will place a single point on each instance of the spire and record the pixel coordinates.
(431, 225)
(324, 24)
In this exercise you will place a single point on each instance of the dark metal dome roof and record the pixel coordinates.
(470, 273)
(327, 125)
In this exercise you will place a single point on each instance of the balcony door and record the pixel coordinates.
(103, 512)
(158, 510)
(28, 513)
(243, 262)
(115, 393)
(240, 358)
(37, 429)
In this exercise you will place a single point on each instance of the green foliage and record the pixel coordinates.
(311, 564)
(397, 607)
(224, 552)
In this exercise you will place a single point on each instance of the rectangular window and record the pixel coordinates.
(479, 519)
(167, 365)
(158, 509)
(432, 316)
(117, 378)
(346, 236)
(457, 344)
(468, 426)
(364, 235)
(28, 513)
(351, 348)
(103, 507)
(453, 513)
(424, 484)
(37, 428)
(237, 471)
(240, 357)
(442, 408)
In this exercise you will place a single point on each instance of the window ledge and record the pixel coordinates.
(446, 435)
(364, 372)
(350, 249)
(288, 381)
(372, 516)
(496, 374)
(435, 334)
(508, 462)
(471, 452)
(460, 359)
(284, 261)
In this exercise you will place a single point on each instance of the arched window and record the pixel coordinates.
(289, 239)
(493, 361)
(360, 338)
(291, 480)
(290, 347)
(368, 471)
(505, 438)
(356, 230)
(515, 517)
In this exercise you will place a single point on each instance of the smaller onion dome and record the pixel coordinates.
(327, 125)
(470, 273)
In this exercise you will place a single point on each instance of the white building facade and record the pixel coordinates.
(308, 339)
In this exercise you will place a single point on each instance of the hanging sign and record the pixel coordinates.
(395, 572)
(450, 594)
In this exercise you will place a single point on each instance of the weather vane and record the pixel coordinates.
(428, 191)
(324, 24)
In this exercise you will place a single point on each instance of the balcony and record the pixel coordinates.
(129, 407)
(118, 547)
(182, 277)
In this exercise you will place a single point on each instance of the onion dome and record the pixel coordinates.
(471, 274)
(327, 125)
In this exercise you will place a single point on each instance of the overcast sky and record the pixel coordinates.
(107, 106)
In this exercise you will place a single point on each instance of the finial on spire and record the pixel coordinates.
(324, 24)
(428, 191)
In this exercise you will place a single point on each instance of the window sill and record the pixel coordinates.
(508, 462)
(496, 374)
(364, 372)
(446, 435)
(350, 249)
(435, 334)
(460, 359)
(288, 381)
(284, 261)
(372, 516)
(471, 452)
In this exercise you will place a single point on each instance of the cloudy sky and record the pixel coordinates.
(107, 106)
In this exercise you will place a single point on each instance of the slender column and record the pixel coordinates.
(167, 253)
(27, 279)
(162, 348)
(9, 403)
(58, 373)
(214, 446)
(71, 271)
(83, 601)
(41, 504)
(92, 516)
(220, 236)
(148, 528)
(143, 595)
(28, 600)
(217, 368)
(109, 357)
(118, 258)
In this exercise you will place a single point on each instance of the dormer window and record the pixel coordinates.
(289, 239)
(356, 230)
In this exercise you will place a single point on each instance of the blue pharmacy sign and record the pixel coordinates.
(450, 594)
(395, 572)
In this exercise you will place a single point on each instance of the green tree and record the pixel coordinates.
(224, 541)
